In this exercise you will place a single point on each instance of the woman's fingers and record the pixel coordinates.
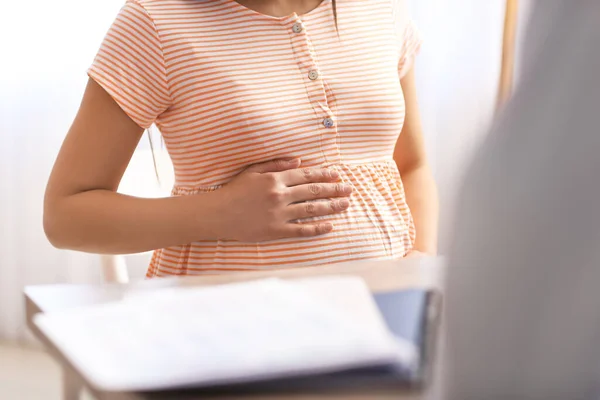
(301, 176)
(307, 230)
(317, 191)
(317, 208)
(275, 166)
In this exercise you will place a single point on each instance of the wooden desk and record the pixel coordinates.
(380, 276)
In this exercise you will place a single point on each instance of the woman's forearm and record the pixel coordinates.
(105, 222)
(422, 198)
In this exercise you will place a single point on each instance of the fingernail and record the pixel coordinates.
(334, 174)
(344, 203)
(292, 161)
(328, 226)
(347, 189)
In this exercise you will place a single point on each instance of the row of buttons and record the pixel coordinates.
(313, 75)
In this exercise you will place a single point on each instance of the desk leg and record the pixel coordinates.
(72, 386)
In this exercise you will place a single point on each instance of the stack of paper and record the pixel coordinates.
(244, 332)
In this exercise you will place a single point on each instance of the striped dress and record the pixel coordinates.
(229, 87)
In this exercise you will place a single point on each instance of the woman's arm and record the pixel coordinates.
(420, 188)
(83, 211)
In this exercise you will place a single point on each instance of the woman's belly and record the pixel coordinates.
(378, 225)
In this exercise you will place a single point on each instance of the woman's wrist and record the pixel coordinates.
(203, 215)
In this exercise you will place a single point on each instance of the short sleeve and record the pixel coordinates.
(409, 37)
(130, 65)
(411, 44)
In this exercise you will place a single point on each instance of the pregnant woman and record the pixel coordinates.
(292, 125)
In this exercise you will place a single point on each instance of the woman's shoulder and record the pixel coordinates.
(169, 15)
(173, 9)
(165, 3)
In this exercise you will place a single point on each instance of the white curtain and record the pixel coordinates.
(45, 49)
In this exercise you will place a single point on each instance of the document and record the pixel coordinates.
(235, 333)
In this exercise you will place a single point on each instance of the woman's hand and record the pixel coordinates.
(265, 201)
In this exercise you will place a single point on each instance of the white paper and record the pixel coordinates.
(225, 334)
(347, 293)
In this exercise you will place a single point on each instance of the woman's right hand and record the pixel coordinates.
(266, 201)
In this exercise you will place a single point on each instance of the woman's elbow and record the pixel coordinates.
(54, 225)
(52, 228)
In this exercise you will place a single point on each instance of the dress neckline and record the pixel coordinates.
(241, 7)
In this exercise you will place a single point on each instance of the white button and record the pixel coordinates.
(328, 123)
(313, 74)
(297, 28)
